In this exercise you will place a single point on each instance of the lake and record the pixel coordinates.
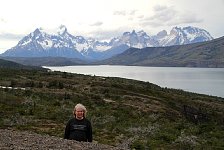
(208, 81)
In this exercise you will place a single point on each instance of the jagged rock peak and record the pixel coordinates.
(176, 31)
(162, 33)
(139, 33)
(133, 32)
(62, 29)
(142, 33)
(191, 29)
(37, 31)
(36, 34)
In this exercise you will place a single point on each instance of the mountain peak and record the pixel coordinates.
(35, 34)
(133, 32)
(176, 30)
(162, 34)
(55, 31)
(37, 31)
(61, 29)
(141, 33)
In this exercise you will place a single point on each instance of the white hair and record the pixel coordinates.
(81, 106)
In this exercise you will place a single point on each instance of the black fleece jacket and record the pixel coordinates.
(79, 130)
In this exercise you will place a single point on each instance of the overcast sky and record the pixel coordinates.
(103, 19)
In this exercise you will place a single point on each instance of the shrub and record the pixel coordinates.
(137, 145)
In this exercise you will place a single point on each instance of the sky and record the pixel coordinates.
(104, 19)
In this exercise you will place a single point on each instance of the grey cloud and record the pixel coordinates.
(188, 18)
(140, 16)
(10, 36)
(151, 23)
(164, 13)
(169, 16)
(108, 34)
(124, 13)
(2, 20)
(132, 12)
(160, 8)
(130, 18)
(3, 48)
(98, 23)
(104, 35)
(120, 13)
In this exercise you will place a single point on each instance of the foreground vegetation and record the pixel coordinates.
(139, 114)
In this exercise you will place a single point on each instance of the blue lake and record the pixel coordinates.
(208, 81)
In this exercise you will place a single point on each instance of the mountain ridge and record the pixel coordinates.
(203, 54)
(42, 43)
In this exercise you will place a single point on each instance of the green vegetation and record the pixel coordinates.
(122, 111)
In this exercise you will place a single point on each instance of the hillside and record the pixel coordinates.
(9, 64)
(205, 54)
(11, 139)
(14, 65)
(46, 61)
(124, 113)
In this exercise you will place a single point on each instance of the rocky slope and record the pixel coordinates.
(11, 139)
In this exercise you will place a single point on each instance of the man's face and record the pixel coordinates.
(79, 113)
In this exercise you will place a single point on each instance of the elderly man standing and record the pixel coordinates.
(79, 128)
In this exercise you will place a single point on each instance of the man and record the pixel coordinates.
(79, 128)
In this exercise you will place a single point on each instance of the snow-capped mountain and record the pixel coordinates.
(41, 44)
(60, 43)
(179, 36)
(133, 39)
